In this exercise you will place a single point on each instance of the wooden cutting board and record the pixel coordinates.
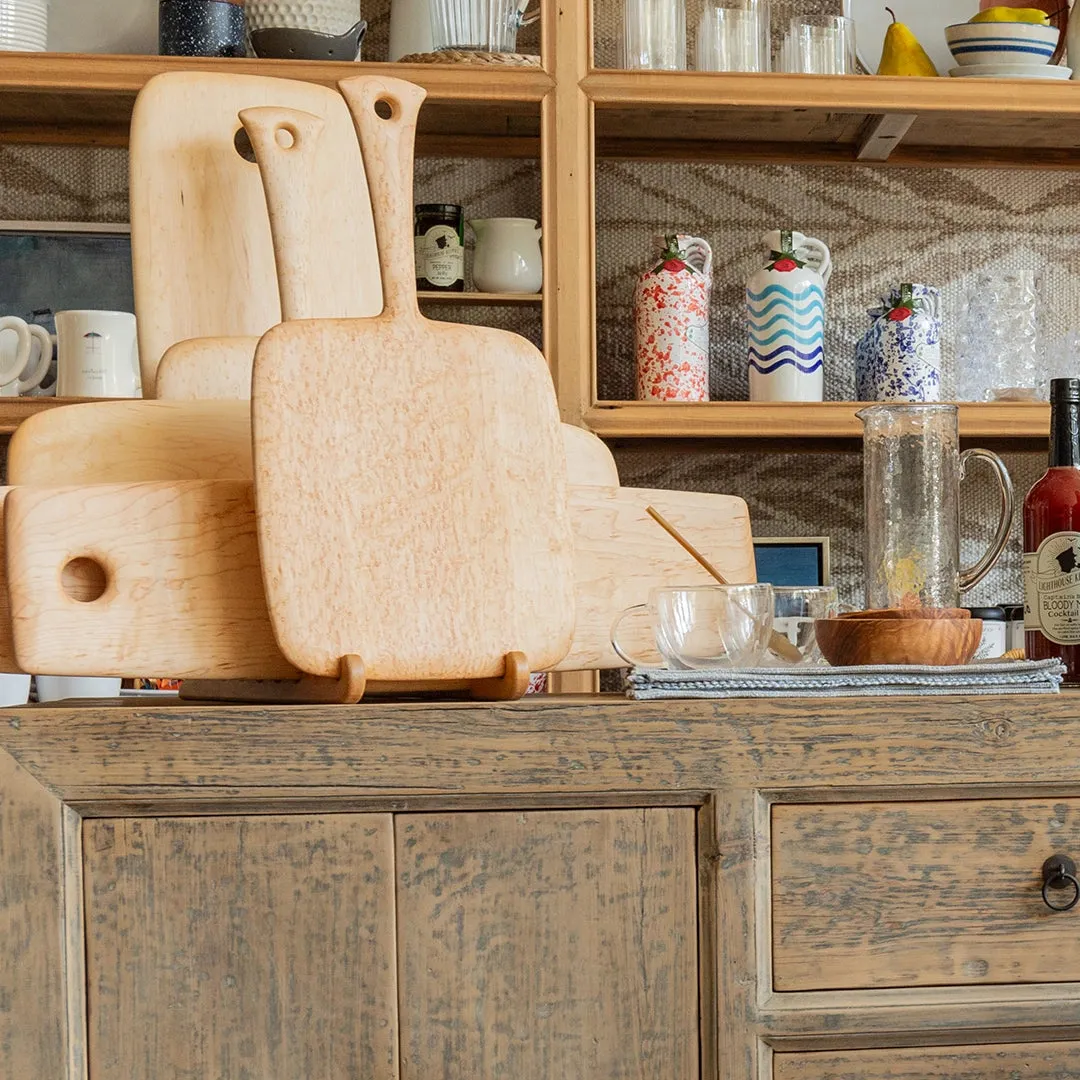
(202, 254)
(410, 478)
(185, 595)
(207, 369)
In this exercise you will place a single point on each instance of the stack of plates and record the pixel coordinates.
(1011, 71)
(23, 25)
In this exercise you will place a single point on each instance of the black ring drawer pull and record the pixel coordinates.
(1059, 872)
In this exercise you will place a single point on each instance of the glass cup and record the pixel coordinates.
(734, 38)
(794, 610)
(819, 45)
(707, 626)
(481, 25)
(654, 35)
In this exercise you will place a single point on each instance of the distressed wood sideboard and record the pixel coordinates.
(601, 889)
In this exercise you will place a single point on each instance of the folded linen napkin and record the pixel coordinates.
(1000, 677)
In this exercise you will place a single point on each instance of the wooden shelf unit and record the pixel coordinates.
(797, 420)
(481, 299)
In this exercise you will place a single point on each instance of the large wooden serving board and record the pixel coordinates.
(410, 477)
(202, 254)
(184, 593)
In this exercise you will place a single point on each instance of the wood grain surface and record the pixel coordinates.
(538, 945)
(259, 947)
(1031, 1061)
(34, 1033)
(184, 584)
(416, 517)
(113, 442)
(202, 256)
(207, 367)
(920, 894)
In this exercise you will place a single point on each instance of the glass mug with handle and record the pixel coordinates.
(706, 626)
(14, 365)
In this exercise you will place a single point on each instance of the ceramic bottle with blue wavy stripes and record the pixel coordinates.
(785, 313)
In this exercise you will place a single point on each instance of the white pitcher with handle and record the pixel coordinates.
(785, 313)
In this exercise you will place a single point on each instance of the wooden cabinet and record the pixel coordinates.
(605, 889)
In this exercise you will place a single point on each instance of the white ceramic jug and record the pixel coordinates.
(410, 28)
(508, 257)
(785, 312)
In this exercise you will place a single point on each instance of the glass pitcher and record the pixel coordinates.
(912, 468)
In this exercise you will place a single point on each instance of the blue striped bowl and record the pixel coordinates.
(1002, 42)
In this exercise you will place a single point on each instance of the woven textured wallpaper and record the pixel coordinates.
(884, 226)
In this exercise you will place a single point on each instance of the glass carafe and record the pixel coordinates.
(912, 468)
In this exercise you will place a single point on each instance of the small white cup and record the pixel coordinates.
(14, 689)
(98, 355)
(14, 362)
(62, 687)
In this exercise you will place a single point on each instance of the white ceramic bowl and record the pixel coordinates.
(1002, 42)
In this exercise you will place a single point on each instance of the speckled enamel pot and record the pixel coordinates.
(201, 28)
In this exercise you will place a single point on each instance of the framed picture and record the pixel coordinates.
(792, 560)
(50, 266)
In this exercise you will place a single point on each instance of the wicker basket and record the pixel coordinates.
(469, 56)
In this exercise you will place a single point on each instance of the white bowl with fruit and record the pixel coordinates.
(1004, 35)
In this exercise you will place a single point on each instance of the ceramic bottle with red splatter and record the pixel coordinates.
(785, 311)
(671, 322)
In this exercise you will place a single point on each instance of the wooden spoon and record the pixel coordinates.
(778, 644)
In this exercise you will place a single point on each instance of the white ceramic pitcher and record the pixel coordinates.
(508, 257)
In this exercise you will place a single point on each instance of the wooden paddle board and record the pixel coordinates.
(207, 368)
(184, 595)
(202, 253)
(410, 477)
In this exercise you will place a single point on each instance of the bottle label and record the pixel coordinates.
(440, 258)
(1052, 588)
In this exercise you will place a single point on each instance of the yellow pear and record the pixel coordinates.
(901, 54)
(1011, 14)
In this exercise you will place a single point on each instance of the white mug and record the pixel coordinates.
(98, 355)
(14, 689)
(62, 687)
(14, 363)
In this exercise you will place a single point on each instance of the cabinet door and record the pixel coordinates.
(1031, 1061)
(254, 947)
(548, 944)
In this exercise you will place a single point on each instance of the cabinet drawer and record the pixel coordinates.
(870, 895)
(1032, 1061)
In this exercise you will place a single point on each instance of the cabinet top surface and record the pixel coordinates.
(556, 749)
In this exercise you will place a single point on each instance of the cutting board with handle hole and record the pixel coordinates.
(183, 594)
(201, 246)
(410, 477)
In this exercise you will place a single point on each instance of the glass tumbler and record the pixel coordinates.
(654, 35)
(795, 608)
(479, 25)
(734, 38)
(819, 45)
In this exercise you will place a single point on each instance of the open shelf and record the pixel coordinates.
(835, 118)
(482, 299)
(75, 98)
(796, 420)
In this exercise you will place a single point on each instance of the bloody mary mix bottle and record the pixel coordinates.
(1052, 540)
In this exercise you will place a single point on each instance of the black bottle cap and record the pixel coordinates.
(1066, 390)
(992, 614)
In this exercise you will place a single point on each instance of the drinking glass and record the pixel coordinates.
(654, 34)
(998, 339)
(481, 25)
(819, 45)
(794, 610)
(707, 626)
(734, 38)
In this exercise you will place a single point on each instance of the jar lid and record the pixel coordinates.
(1013, 612)
(994, 614)
(438, 208)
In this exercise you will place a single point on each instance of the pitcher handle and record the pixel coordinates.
(524, 18)
(972, 575)
(819, 254)
(625, 614)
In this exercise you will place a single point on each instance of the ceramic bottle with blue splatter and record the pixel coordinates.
(785, 314)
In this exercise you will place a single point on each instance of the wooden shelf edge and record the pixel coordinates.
(481, 298)
(13, 411)
(795, 420)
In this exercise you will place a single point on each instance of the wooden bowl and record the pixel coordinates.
(909, 613)
(938, 642)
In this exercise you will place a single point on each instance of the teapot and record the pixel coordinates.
(785, 313)
(508, 257)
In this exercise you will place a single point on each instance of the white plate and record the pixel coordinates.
(1011, 71)
(105, 26)
(926, 18)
